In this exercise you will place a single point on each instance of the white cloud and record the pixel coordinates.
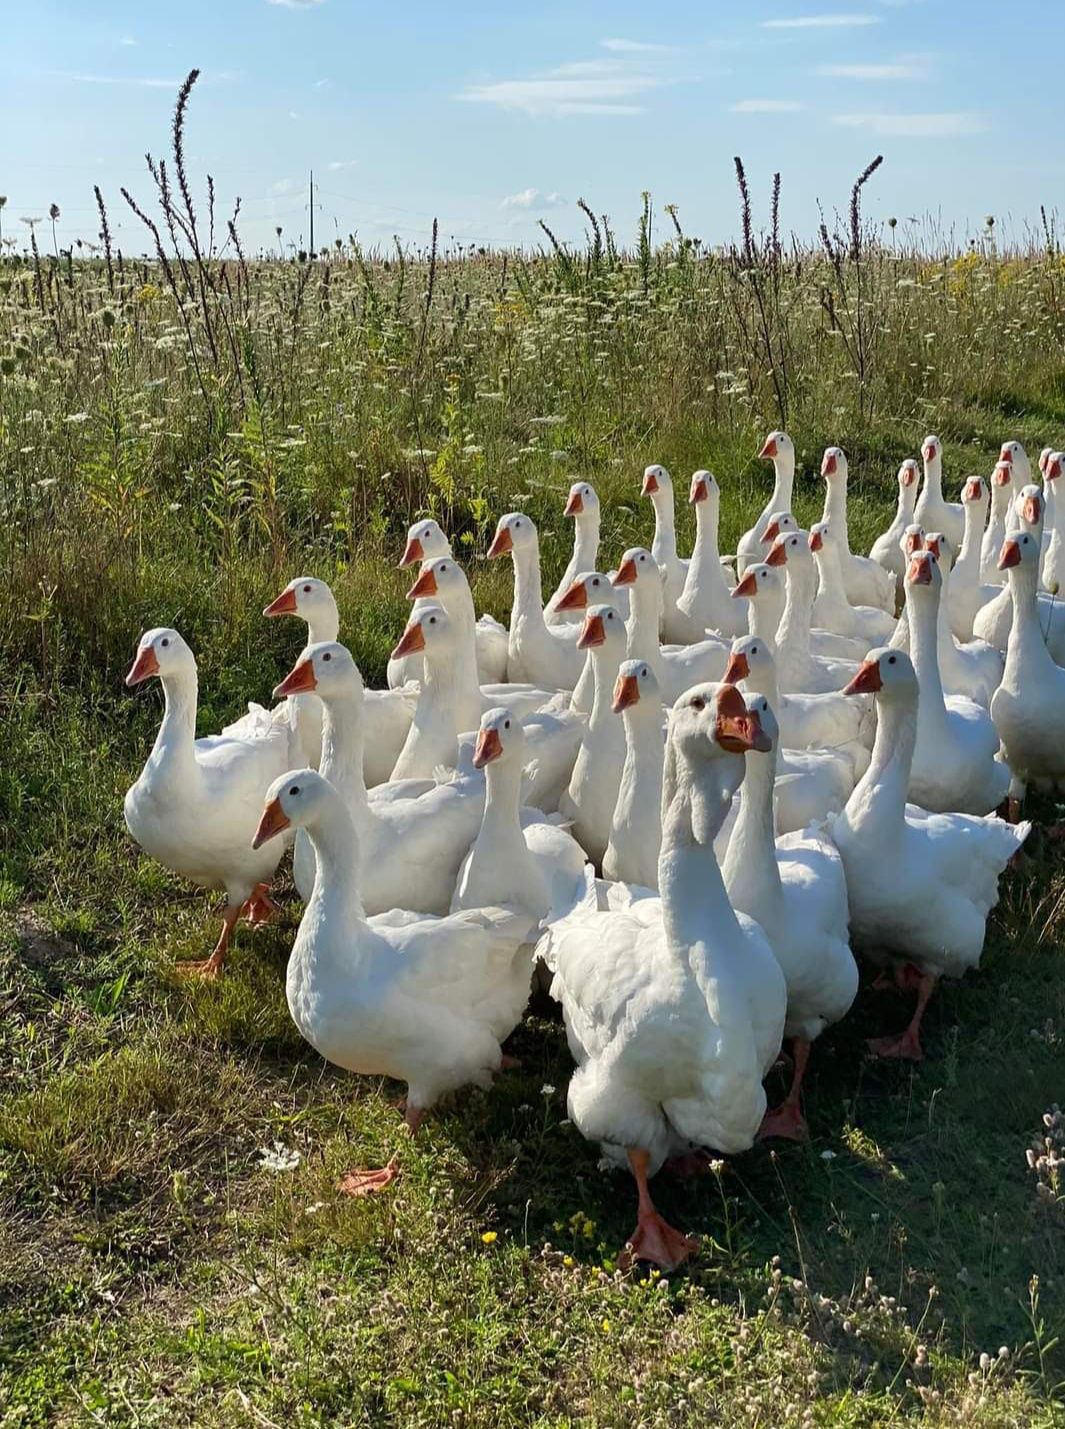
(915, 126)
(820, 22)
(336, 164)
(323, 84)
(127, 40)
(296, 4)
(533, 199)
(284, 186)
(133, 80)
(635, 47)
(767, 106)
(916, 68)
(602, 86)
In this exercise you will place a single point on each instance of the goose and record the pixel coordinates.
(425, 1000)
(520, 858)
(797, 667)
(705, 601)
(972, 669)
(920, 885)
(1014, 453)
(822, 642)
(967, 591)
(658, 485)
(674, 1006)
(636, 826)
(591, 588)
(954, 764)
(1053, 572)
(931, 511)
(832, 609)
(798, 889)
(998, 523)
(913, 539)
(388, 713)
(195, 803)
(864, 580)
(992, 622)
(676, 667)
(780, 450)
(885, 549)
(764, 590)
(540, 653)
(589, 800)
(427, 542)
(582, 504)
(1028, 707)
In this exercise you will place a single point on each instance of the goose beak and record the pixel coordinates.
(828, 464)
(300, 680)
(424, 585)
(575, 505)
(285, 604)
(412, 553)
(410, 642)
(1032, 510)
(867, 681)
(747, 586)
(771, 532)
(928, 451)
(931, 545)
(1053, 468)
(592, 633)
(502, 543)
(972, 489)
(769, 449)
(699, 492)
(626, 693)
(1003, 473)
(650, 484)
(816, 541)
(144, 666)
(576, 598)
(738, 729)
(778, 556)
(907, 476)
(273, 821)
(626, 573)
(920, 571)
(912, 543)
(737, 669)
(489, 747)
(1011, 555)
(1005, 454)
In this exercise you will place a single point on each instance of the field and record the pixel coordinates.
(180, 435)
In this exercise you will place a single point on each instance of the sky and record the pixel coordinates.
(491, 116)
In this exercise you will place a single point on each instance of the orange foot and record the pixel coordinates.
(210, 969)
(368, 1183)
(655, 1239)
(260, 907)
(906, 1045)
(785, 1122)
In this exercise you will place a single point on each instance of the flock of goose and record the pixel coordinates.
(679, 795)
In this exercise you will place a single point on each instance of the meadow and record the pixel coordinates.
(183, 432)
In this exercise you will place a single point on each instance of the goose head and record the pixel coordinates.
(974, 492)
(820, 537)
(779, 522)
(908, 473)
(711, 719)
(1030, 505)
(759, 578)
(887, 673)
(163, 653)
(791, 548)
(636, 685)
(1044, 457)
(307, 597)
(292, 801)
(703, 489)
(1055, 464)
(589, 588)
(749, 659)
(425, 541)
(429, 630)
(515, 533)
(1020, 549)
(938, 544)
(931, 451)
(602, 626)
(582, 500)
(1002, 483)
(923, 572)
(327, 669)
(657, 482)
(637, 567)
(1015, 454)
(912, 539)
(834, 465)
(442, 579)
(499, 737)
(759, 709)
(778, 447)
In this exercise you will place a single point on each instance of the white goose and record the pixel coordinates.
(705, 602)
(999, 522)
(658, 485)
(196, 801)
(540, 653)
(773, 597)
(967, 591)
(388, 713)
(1053, 571)
(425, 1000)
(582, 505)
(993, 620)
(589, 800)
(797, 667)
(676, 667)
(591, 588)
(675, 1007)
(864, 580)
(920, 885)
(885, 549)
(832, 609)
(780, 450)
(427, 542)
(636, 826)
(972, 669)
(1014, 453)
(798, 889)
(931, 511)
(954, 759)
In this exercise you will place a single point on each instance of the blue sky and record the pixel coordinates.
(493, 115)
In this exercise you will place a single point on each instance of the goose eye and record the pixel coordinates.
(164, 643)
(643, 672)
(506, 724)
(516, 524)
(327, 656)
(698, 703)
(432, 620)
(306, 590)
(294, 790)
(891, 659)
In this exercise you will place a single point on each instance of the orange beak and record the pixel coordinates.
(736, 728)
(907, 476)
(816, 541)
(1011, 555)
(828, 464)
(626, 573)
(913, 543)
(273, 821)
(592, 632)
(650, 484)
(928, 451)
(1005, 454)
(300, 680)
(502, 542)
(771, 532)
(575, 504)
(285, 604)
(769, 450)
(699, 492)
(972, 489)
(1003, 473)
(489, 747)
(1033, 509)
(1053, 468)
(867, 681)
(737, 669)
(410, 642)
(778, 556)
(144, 666)
(932, 546)
(747, 586)
(412, 552)
(424, 585)
(576, 598)
(626, 693)
(920, 571)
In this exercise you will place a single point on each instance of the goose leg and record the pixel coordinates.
(654, 1238)
(212, 967)
(787, 1120)
(368, 1183)
(907, 1044)
(260, 907)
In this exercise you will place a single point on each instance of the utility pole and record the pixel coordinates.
(312, 213)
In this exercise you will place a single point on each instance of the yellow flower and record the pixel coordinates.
(568, 1262)
(606, 1327)
(490, 1237)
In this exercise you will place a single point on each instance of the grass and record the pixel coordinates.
(153, 1267)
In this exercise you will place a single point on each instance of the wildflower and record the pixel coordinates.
(278, 1158)
(568, 1262)
(490, 1237)
(828, 1156)
(547, 1090)
(606, 1327)
(76, 418)
(313, 1208)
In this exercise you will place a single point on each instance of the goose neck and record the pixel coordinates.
(783, 481)
(751, 872)
(528, 590)
(643, 622)
(878, 804)
(174, 751)
(793, 633)
(923, 614)
(695, 905)
(337, 873)
(342, 752)
(323, 626)
(664, 545)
